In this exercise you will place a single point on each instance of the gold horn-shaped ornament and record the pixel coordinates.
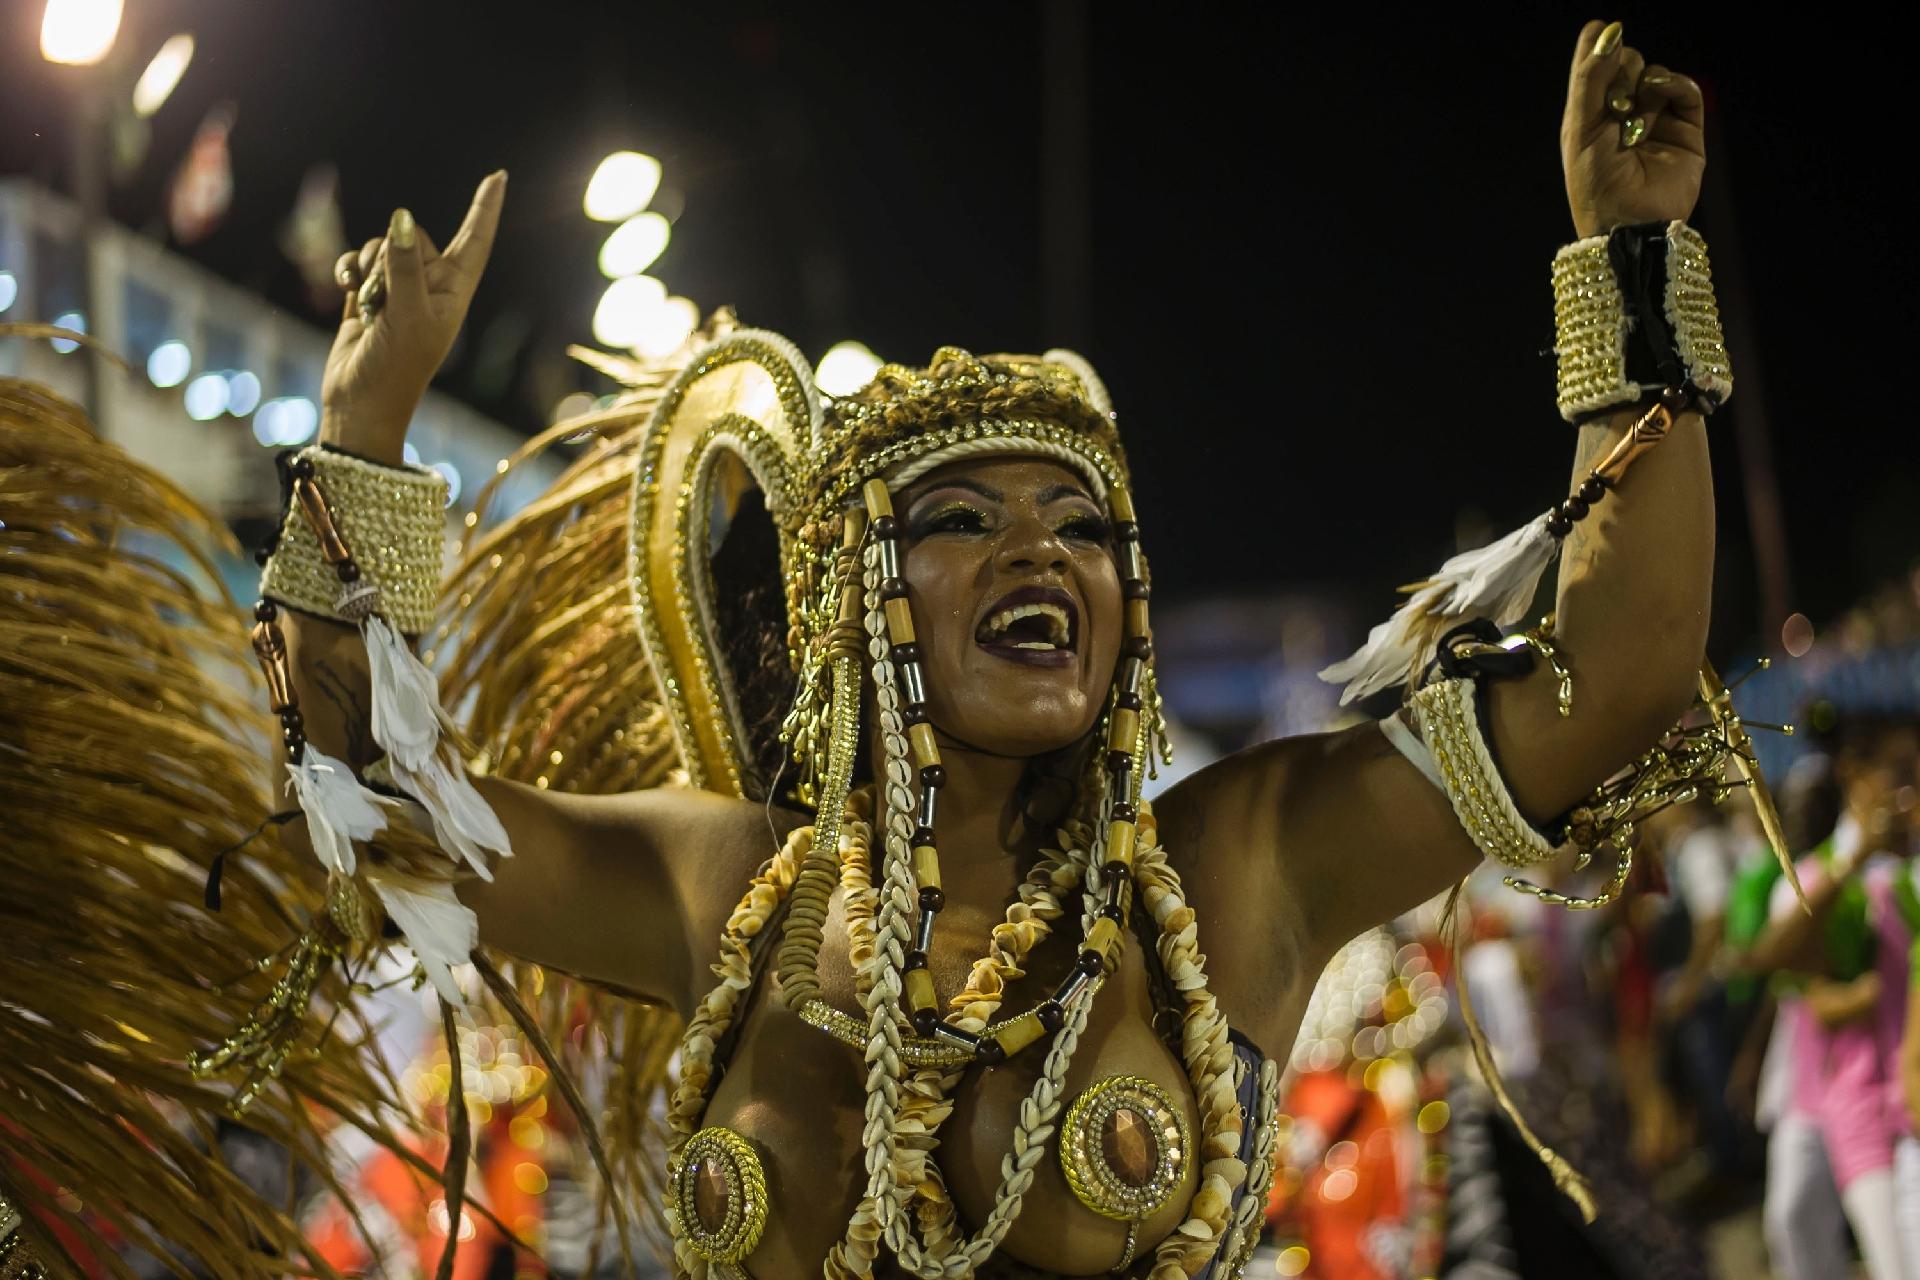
(741, 416)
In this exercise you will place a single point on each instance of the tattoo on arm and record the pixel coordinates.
(355, 718)
(1577, 551)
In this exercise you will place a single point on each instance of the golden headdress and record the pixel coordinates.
(745, 413)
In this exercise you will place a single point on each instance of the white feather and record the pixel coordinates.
(441, 931)
(1497, 581)
(338, 809)
(1389, 653)
(463, 822)
(406, 697)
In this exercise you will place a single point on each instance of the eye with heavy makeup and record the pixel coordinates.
(960, 517)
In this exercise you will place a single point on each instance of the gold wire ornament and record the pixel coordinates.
(718, 1154)
(1096, 1115)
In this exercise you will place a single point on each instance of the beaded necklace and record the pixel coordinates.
(909, 1082)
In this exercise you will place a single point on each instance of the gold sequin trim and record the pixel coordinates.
(738, 1165)
(394, 523)
(1590, 330)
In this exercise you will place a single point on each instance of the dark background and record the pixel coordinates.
(1312, 255)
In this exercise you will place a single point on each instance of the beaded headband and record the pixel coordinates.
(745, 415)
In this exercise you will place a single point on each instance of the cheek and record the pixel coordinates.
(940, 588)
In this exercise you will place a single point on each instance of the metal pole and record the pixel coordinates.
(1766, 522)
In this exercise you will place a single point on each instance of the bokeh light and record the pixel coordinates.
(157, 82)
(243, 393)
(664, 328)
(169, 364)
(634, 245)
(621, 318)
(1796, 635)
(621, 186)
(847, 367)
(73, 320)
(9, 289)
(206, 397)
(452, 475)
(79, 32)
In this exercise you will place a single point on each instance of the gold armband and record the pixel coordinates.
(391, 520)
(1449, 724)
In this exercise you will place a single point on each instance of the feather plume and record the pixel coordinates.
(1497, 581)
(441, 931)
(339, 810)
(464, 823)
(406, 706)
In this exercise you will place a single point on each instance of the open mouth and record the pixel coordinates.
(1039, 626)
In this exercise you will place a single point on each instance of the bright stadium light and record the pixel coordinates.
(162, 74)
(634, 245)
(621, 186)
(847, 367)
(79, 33)
(621, 318)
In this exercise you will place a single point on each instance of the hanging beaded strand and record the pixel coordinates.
(269, 643)
(923, 1008)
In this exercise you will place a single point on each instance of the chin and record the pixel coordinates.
(1023, 727)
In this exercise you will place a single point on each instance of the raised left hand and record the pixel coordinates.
(1631, 139)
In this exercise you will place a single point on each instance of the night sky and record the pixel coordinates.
(1316, 253)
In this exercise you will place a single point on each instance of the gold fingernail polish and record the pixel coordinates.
(1658, 77)
(1632, 131)
(1622, 104)
(1609, 40)
(400, 230)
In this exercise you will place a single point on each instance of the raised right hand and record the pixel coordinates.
(383, 359)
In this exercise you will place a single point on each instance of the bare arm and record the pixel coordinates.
(604, 887)
(1836, 1003)
(1910, 1056)
(612, 888)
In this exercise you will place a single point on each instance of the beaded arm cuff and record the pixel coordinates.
(1449, 721)
(392, 517)
(1634, 312)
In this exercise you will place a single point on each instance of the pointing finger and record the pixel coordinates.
(468, 250)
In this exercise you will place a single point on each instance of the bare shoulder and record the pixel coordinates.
(1293, 846)
(1224, 831)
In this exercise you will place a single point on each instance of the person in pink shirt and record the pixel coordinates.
(1843, 973)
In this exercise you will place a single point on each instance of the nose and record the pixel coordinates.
(1028, 544)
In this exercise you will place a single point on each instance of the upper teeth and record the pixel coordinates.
(1056, 624)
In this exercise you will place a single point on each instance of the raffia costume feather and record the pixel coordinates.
(131, 752)
(136, 748)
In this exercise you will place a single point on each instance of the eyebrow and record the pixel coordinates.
(1064, 490)
(971, 486)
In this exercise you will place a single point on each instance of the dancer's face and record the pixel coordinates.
(1010, 574)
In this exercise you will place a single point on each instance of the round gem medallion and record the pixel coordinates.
(1124, 1147)
(720, 1195)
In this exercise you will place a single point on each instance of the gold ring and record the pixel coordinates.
(372, 297)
